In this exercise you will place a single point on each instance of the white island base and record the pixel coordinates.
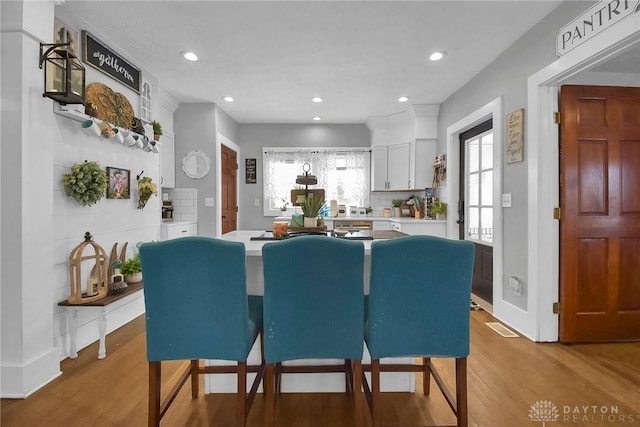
(310, 383)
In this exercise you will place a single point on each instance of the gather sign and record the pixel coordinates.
(105, 60)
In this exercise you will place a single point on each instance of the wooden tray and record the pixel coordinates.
(310, 229)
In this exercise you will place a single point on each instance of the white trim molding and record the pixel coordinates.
(543, 175)
(493, 110)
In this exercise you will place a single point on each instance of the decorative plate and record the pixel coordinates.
(105, 104)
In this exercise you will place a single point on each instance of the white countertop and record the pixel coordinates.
(177, 223)
(402, 219)
(253, 248)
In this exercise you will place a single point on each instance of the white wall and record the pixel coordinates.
(40, 224)
(253, 137)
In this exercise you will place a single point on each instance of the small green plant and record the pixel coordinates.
(146, 189)
(368, 210)
(86, 183)
(131, 266)
(285, 203)
(312, 206)
(438, 207)
(157, 128)
(397, 203)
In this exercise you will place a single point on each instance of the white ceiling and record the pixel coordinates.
(272, 57)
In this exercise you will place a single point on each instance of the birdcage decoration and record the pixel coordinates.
(95, 286)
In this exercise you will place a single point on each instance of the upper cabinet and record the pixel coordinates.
(404, 146)
(390, 167)
(167, 161)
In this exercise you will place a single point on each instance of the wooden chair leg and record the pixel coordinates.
(241, 396)
(426, 375)
(375, 393)
(461, 392)
(348, 370)
(195, 380)
(357, 392)
(154, 393)
(269, 394)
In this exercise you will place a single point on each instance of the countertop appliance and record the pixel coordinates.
(167, 211)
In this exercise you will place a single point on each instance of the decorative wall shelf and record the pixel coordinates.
(136, 141)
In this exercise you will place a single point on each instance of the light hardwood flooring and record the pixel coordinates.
(506, 376)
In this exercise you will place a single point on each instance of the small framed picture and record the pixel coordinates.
(119, 183)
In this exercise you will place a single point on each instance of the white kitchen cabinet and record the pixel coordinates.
(420, 227)
(174, 230)
(391, 167)
(167, 160)
(425, 153)
(381, 225)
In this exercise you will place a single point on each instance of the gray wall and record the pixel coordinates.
(195, 129)
(253, 137)
(507, 77)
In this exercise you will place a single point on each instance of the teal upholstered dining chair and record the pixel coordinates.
(313, 308)
(418, 306)
(197, 308)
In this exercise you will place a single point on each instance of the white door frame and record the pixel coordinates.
(223, 140)
(543, 175)
(492, 110)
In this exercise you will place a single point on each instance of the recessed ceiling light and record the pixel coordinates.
(317, 118)
(403, 99)
(317, 99)
(189, 56)
(437, 56)
(228, 98)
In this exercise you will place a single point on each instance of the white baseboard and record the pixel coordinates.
(20, 381)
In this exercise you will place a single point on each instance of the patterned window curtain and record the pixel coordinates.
(342, 174)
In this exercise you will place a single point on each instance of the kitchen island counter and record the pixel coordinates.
(391, 381)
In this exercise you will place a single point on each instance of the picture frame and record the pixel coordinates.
(119, 183)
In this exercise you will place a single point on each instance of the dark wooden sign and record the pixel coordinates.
(250, 171)
(105, 60)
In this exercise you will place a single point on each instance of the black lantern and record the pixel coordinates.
(63, 74)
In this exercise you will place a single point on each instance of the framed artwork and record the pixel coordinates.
(119, 183)
(145, 101)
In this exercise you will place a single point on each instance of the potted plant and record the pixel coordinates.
(419, 205)
(311, 207)
(397, 212)
(369, 210)
(285, 203)
(157, 130)
(132, 270)
(146, 189)
(439, 209)
(86, 183)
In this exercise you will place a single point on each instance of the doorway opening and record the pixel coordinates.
(475, 205)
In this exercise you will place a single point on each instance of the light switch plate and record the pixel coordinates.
(506, 200)
(208, 201)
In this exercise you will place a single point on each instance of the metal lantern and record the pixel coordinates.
(96, 264)
(63, 74)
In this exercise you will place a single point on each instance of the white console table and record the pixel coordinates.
(102, 306)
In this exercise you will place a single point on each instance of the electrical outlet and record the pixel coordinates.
(209, 201)
(506, 200)
(256, 202)
(514, 284)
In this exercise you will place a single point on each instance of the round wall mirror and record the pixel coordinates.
(196, 164)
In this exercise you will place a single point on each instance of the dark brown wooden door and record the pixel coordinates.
(600, 225)
(229, 185)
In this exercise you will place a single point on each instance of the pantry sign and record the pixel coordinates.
(598, 18)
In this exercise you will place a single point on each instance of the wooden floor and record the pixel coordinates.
(506, 377)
